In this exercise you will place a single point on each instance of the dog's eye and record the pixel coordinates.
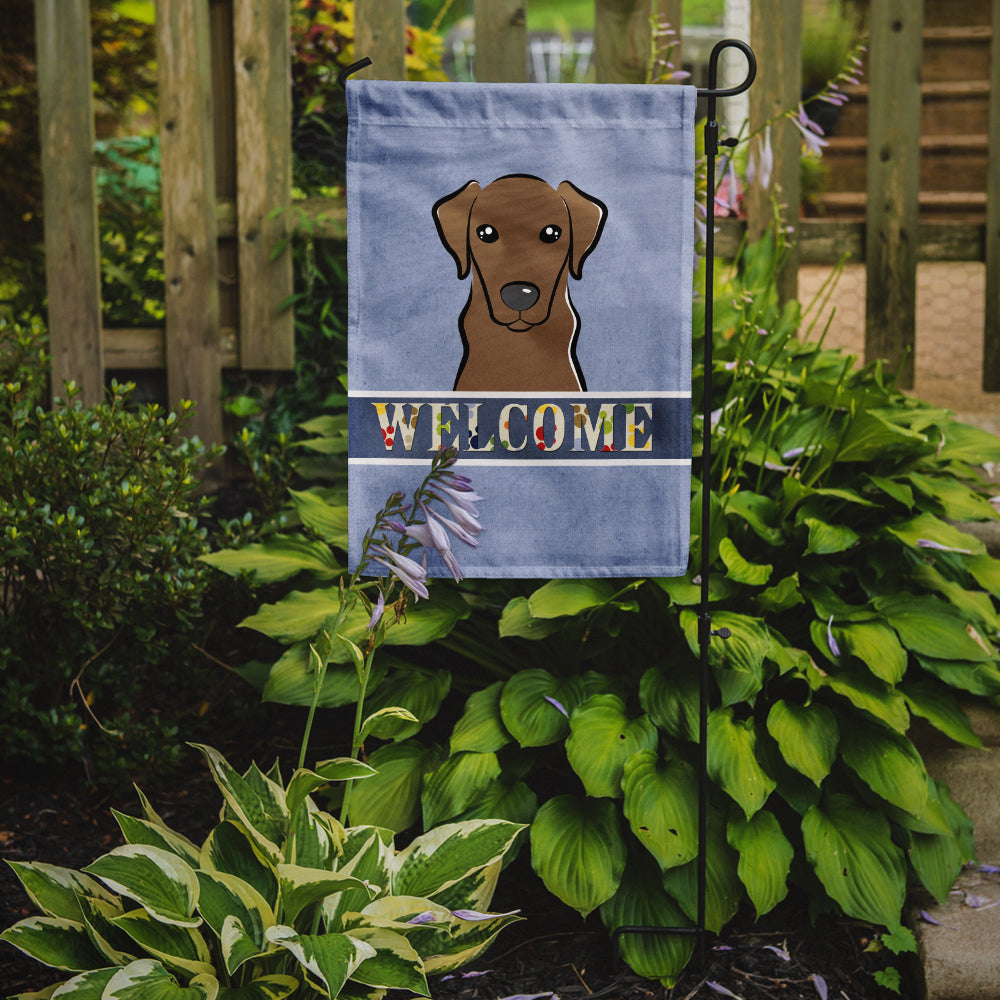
(487, 233)
(550, 234)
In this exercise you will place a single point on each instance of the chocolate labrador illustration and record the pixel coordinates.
(523, 239)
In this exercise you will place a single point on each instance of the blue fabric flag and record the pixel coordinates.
(520, 261)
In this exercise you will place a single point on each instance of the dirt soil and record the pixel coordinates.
(552, 952)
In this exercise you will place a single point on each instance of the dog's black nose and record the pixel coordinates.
(519, 295)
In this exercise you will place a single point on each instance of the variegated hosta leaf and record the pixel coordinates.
(723, 889)
(391, 799)
(481, 727)
(54, 941)
(661, 799)
(732, 760)
(158, 880)
(304, 782)
(116, 947)
(315, 838)
(468, 939)
(807, 736)
(535, 706)
(149, 980)
(367, 853)
(476, 890)
(256, 801)
(274, 987)
(395, 964)
(329, 959)
(230, 849)
(56, 891)
(456, 784)
(441, 857)
(578, 851)
(765, 858)
(87, 986)
(888, 763)
(602, 737)
(225, 897)
(850, 847)
(141, 831)
(177, 947)
(642, 902)
(300, 887)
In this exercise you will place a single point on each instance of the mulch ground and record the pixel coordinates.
(551, 952)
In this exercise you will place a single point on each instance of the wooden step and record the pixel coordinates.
(956, 53)
(947, 162)
(957, 206)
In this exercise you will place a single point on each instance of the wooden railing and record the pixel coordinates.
(226, 161)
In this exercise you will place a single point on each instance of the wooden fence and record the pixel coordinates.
(226, 160)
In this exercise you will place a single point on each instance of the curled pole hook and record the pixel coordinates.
(349, 70)
(713, 91)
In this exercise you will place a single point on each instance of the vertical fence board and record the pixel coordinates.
(72, 257)
(991, 333)
(262, 61)
(621, 40)
(501, 40)
(380, 34)
(776, 35)
(190, 254)
(893, 183)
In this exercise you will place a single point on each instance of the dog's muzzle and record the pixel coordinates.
(519, 295)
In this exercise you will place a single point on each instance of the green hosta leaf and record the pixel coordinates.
(602, 738)
(481, 728)
(937, 859)
(141, 831)
(827, 539)
(760, 512)
(54, 941)
(386, 723)
(147, 979)
(807, 736)
(765, 858)
(723, 889)
(275, 987)
(301, 887)
(395, 964)
(641, 901)
(225, 897)
(415, 689)
(160, 882)
(976, 605)
(671, 699)
(330, 959)
(291, 680)
(986, 571)
(180, 948)
(456, 784)
(965, 443)
(732, 760)
(869, 436)
(683, 591)
(327, 520)
(850, 847)
(558, 598)
(876, 646)
(528, 710)
(438, 859)
(739, 569)
(932, 628)
(976, 678)
(279, 558)
(578, 851)
(56, 891)
(230, 849)
(515, 803)
(957, 501)
(661, 799)
(391, 798)
(888, 763)
(517, 620)
(738, 661)
(893, 488)
(261, 809)
(783, 595)
(865, 692)
(941, 709)
(928, 528)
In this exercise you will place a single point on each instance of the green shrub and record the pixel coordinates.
(99, 540)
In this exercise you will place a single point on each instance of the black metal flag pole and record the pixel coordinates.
(705, 631)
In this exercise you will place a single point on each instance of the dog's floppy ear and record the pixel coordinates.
(451, 216)
(587, 216)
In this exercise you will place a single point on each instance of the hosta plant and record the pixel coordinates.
(279, 900)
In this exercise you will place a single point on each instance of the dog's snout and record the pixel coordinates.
(519, 295)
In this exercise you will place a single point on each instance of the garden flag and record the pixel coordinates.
(520, 262)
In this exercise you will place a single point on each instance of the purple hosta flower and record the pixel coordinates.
(427, 917)
(820, 983)
(719, 988)
(990, 869)
(927, 543)
(411, 574)
(834, 648)
(464, 514)
(377, 612)
(558, 705)
(728, 195)
(927, 918)
(465, 975)
(811, 132)
(457, 530)
(437, 539)
(780, 952)
(475, 915)
(760, 166)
